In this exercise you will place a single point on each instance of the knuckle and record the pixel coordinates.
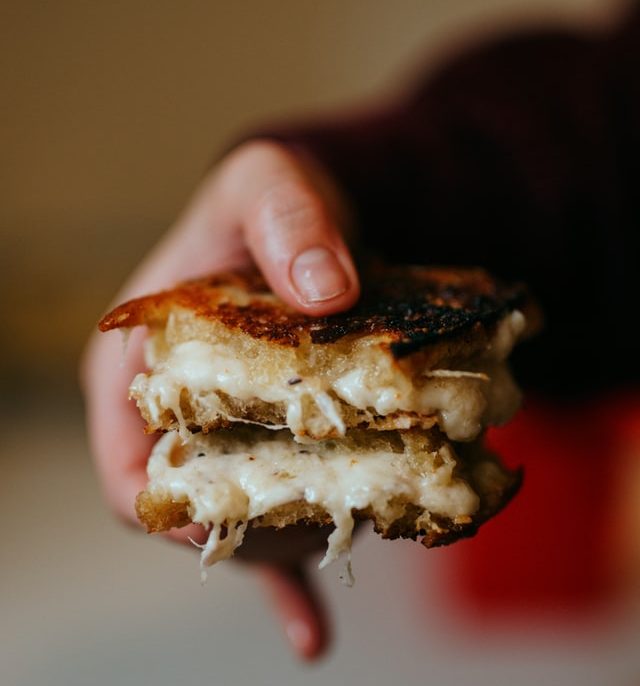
(290, 207)
(258, 155)
(269, 152)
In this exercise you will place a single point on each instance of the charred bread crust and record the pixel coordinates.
(410, 307)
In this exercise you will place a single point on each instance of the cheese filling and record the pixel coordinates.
(463, 400)
(228, 482)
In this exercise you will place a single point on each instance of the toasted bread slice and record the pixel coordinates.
(424, 347)
(411, 484)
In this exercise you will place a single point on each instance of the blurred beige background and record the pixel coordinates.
(111, 111)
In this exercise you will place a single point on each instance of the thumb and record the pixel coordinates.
(290, 229)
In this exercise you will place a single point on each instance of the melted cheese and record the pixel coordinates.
(462, 400)
(228, 482)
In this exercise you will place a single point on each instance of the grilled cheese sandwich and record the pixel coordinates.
(272, 417)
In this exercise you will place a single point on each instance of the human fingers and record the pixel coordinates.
(262, 197)
(115, 429)
(298, 608)
(292, 227)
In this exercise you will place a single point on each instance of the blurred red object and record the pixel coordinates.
(556, 549)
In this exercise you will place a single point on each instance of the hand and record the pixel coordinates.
(263, 204)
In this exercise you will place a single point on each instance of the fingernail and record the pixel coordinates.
(317, 275)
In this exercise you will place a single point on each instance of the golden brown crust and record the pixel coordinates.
(161, 514)
(411, 307)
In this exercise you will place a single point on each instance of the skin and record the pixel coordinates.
(266, 205)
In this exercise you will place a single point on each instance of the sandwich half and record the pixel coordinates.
(272, 417)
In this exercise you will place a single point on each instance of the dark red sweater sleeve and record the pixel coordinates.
(521, 156)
